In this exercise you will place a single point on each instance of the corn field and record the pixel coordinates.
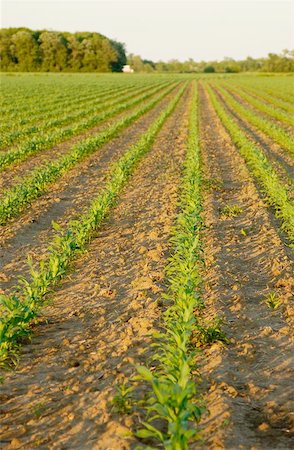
(147, 233)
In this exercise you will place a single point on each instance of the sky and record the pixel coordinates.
(166, 29)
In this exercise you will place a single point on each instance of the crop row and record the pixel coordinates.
(21, 308)
(72, 116)
(49, 139)
(173, 394)
(275, 191)
(270, 129)
(271, 111)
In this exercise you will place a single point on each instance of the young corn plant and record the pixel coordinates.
(231, 211)
(122, 401)
(272, 300)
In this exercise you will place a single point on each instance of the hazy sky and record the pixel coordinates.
(167, 29)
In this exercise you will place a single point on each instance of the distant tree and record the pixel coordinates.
(121, 58)
(250, 64)
(209, 69)
(135, 62)
(75, 53)
(8, 61)
(24, 51)
(279, 63)
(106, 55)
(98, 54)
(161, 66)
(53, 52)
(149, 63)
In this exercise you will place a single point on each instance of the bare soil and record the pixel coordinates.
(100, 319)
(247, 384)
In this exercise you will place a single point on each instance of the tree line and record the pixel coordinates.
(283, 62)
(25, 50)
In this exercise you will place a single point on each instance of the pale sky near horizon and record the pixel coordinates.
(166, 29)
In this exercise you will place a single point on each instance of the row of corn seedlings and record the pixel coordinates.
(40, 179)
(275, 132)
(276, 193)
(47, 139)
(265, 96)
(20, 309)
(271, 111)
(173, 392)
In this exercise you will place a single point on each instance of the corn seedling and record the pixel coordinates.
(272, 300)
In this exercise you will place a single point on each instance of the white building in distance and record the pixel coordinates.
(127, 69)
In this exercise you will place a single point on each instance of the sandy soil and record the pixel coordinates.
(248, 384)
(101, 317)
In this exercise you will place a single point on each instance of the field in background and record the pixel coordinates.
(146, 232)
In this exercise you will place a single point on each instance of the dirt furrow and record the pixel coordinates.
(281, 161)
(13, 174)
(247, 383)
(66, 200)
(101, 317)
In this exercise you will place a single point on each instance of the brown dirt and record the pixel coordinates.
(100, 318)
(14, 174)
(279, 158)
(248, 384)
(66, 200)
